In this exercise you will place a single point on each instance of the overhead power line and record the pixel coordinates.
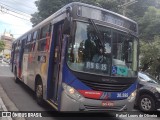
(1, 22)
(5, 10)
(15, 10)
(18, 16)
(23, 4)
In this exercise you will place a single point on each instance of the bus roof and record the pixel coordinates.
(102, 9)
(60, 11)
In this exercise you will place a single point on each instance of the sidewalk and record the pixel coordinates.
(7, 105)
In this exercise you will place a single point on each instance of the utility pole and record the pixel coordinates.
(125, 8)
(126, 4)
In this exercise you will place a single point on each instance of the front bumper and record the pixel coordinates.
(85, 104)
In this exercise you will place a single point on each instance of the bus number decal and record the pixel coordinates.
(122, 95)
(96, 66)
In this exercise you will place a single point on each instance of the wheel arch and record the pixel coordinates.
(146, 92)
(37, 80)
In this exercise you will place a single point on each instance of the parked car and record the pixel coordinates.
(148, 93)
(7, 60)
(1, 59)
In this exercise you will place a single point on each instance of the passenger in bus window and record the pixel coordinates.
(81, 52)
(90, 46)
(71, 55)
(99, 57)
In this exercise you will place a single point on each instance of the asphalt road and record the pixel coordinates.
(24, 98)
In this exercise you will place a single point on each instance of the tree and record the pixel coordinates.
(149, 31)
(48, 7)
(137, 10)
(150, 56)
(2, 45)
(149, 24)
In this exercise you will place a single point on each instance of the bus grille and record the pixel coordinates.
(106, 87)
(100, 108)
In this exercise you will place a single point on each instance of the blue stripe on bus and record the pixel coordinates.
(70, 79)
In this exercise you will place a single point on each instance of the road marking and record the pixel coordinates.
(2, 105)
(4, 65)
(7, 75)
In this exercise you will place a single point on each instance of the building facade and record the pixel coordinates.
(7, 38)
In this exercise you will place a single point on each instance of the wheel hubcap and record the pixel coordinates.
(146, 104)
(39, 91)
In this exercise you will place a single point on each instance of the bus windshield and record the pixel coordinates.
(116, 56)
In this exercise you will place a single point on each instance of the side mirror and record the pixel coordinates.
(66, 27)
(67, 21)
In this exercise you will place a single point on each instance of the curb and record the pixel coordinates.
(8, 104)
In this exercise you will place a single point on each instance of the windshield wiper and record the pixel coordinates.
(98, 33)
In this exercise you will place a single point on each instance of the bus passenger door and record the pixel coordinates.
(54, 63)
(21, 59)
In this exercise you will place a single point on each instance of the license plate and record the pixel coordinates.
(107, 103)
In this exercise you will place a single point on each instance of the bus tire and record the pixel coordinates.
(39, 92)
(15, 76)
(146, 103)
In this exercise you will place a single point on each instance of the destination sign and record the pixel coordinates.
(108, 17)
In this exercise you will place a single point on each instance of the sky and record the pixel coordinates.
(15, 16)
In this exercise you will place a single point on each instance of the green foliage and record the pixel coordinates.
(138, 9)
(2, 45)
(149, 24)
(149, 30)
(150, 55)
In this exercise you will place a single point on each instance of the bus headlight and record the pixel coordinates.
(70, 91)
(132, 96)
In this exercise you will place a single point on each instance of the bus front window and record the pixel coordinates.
(124, 54)
(88, 54)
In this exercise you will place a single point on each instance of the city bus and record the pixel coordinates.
(81, 58)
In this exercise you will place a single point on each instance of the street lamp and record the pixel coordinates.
(126, 4)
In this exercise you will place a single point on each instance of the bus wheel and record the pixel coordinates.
(39, 92)
(15, 76)
(146, 103)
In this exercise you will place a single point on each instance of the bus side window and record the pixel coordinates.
(27, 47)
(19, 44)
(29, 38)
(34, 38)
(45, 31)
